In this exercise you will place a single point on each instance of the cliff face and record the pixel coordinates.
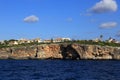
(61, 51)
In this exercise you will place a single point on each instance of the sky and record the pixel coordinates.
(46, 19)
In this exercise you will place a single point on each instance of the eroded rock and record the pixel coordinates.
(61, 51)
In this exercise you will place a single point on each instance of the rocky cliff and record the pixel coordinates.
(61, 51)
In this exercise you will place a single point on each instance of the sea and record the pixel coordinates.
(59, 70)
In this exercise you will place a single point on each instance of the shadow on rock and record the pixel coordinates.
(68, 52)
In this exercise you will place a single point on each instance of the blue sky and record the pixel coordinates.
(78, 19)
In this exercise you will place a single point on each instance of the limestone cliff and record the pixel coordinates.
(61, 51)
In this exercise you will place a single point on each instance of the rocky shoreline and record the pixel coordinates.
(61, 51)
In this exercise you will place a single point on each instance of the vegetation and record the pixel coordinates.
(101, 43)
(88, 42)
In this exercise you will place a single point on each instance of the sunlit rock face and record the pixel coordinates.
(93, 51)
(51, 51)
(61, 51)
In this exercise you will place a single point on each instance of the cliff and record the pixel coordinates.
(60, 51)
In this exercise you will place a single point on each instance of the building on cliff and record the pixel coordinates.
(61, 39)
(13, 43)
(37, 40)
(47, 41)
(1, 42)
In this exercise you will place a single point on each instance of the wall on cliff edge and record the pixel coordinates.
(61, 51)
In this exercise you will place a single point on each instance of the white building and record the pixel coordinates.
(37, 40)
(61, 39)
(2, 42)
(13, 43)
(66, 39)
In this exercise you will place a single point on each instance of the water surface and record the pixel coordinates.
(59, 70)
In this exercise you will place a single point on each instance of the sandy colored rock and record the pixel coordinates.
(61, 51)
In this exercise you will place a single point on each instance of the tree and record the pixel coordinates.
(6, 42)
(51, 40)
(101, 36)
(109, 38)
(12, 40)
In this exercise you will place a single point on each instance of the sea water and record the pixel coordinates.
(59, 70)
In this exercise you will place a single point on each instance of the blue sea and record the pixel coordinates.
(59, 70)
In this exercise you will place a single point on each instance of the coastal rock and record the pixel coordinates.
(93, 51)
(4, 53)
(49, 51)
(68, 52)
(61, 51)
(116, 54)
(23, 53)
